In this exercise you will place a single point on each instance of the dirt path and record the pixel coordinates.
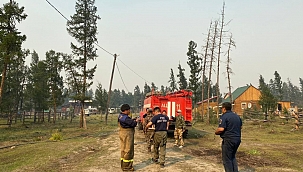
(177, 160)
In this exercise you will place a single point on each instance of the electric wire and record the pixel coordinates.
(121, 76)
(68, 20)
(134, 71)
(56, 10)
(99, 45)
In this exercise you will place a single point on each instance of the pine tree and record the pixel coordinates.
(40, 85)
(278, 86)
(154, 87)
(99, 99)
(55, 80)
(147, 89)
(83, 27)
(194, 63)
(267, 99)
(137, 97)
(10, 38)
(182, 80)
(172, 81)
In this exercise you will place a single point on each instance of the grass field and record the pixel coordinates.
(27, 146)
(266, 146)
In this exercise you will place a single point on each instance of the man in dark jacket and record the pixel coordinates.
(161, 123)
(126, 134)
(229, 129)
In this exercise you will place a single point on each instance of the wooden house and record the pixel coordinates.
(244, 97)
(248, 97)
(282, 105)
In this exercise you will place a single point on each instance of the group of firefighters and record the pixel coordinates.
(155, 126)
(149, 132)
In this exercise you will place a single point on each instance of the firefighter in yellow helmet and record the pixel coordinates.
(126, 134)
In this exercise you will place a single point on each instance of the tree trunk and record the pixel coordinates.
(228, 69)
(218, 60)
(54, 104)
(210, 68)
(204, 69)
(84, 73)
(2, 80)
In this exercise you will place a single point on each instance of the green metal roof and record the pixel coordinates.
(236, 93)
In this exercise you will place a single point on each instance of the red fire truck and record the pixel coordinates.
(171, 102)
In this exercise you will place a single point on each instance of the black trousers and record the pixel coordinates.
(229, 150)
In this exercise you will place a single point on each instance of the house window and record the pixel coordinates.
(243, 106)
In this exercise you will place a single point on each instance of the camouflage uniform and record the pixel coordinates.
(179, 129)
(149, 132)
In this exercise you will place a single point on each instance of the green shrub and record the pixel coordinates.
(56, 136)
(253, 152)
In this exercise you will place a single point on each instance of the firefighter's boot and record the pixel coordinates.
(127, 166)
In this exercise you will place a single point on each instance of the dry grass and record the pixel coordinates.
(265, 146)
(28, 148)
(268, 146)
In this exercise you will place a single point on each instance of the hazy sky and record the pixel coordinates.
(152, 36)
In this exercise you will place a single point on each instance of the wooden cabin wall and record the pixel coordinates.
(251, 95)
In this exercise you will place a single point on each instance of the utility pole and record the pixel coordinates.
(110, 88)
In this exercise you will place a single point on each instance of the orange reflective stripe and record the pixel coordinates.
(124, 160)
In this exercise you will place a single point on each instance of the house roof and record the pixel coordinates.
(238, 92)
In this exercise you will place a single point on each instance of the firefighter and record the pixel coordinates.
(126, 134)
(149, 130)
(143, 124)
(161, 123)
(229, 129)
(179, 129)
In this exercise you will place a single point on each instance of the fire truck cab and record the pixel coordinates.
(171, 102)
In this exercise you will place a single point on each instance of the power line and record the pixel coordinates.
(99, 45)
(121, 77)
(134, 71)
(57, 10)
(68, 20)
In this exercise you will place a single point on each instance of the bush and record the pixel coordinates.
(253, 152)
(56, 136)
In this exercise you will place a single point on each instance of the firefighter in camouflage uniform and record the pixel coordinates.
(149, 131)
(179, 129)
(126, 134)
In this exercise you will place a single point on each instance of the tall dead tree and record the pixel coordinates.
(212, 59)
(231, 44)
(218, 59)
(204, 67)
